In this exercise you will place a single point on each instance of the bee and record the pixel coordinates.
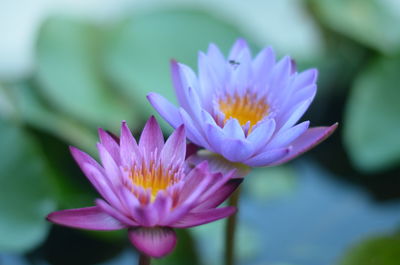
(234, 63)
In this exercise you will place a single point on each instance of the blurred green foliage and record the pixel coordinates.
(26, 190)
(373, 251)
(91, 75)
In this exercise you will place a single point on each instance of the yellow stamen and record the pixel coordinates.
(246, 108)
(153, 177)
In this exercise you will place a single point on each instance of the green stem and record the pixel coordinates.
(144, 259)
(231, 230)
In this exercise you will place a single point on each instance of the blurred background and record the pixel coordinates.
(68, 67)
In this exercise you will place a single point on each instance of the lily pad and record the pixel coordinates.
(372, 127)
(70, 74)
(382, 250)
(139, 51)
(369, 22)
(26, 195)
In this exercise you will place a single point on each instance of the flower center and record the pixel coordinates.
(154, 177)
(246, 108)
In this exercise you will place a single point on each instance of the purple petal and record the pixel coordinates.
(236, 150)
(302, 94)
(217, 61)
(169, 112)
(217, 163)
(185, 84)
(293, 115)
(129, 150)
(209, 81)
(155, 242)
(232, 129)
(262, 68)
(215, 137)
(306, 78)
(240, 51)
(174, 150)
(151, 139)
(283, 138)
(308, 140)
(261, 134)
(204, 217)
(193, 130)
(279, 80)
(110, 144)
(267, 158)
(92, 218)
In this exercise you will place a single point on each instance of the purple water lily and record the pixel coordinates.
(242, 108)
(149, 189)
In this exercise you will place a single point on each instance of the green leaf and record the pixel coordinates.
(372, 125)
(70, 74)
(139, 52)
(384, 250)
(29, 109)
(367, 21)
(25, 191)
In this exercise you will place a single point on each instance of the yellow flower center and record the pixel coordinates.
(246, 108)
(153, 177)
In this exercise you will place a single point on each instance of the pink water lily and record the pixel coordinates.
(242, 108)
(149, 189)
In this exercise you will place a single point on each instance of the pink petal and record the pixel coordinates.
(105, 207)
(174, 150)
(112, 170)
(155, 242)
(195, 182)
(308, 140)
(151, 139)
(110, 144)
(102, 184)
(92, 170)
(92, 218)
(129, 150)
(162, 204)
(220, 195)
(204, 217)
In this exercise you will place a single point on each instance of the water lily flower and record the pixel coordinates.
(149, 189)
(242, 108)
